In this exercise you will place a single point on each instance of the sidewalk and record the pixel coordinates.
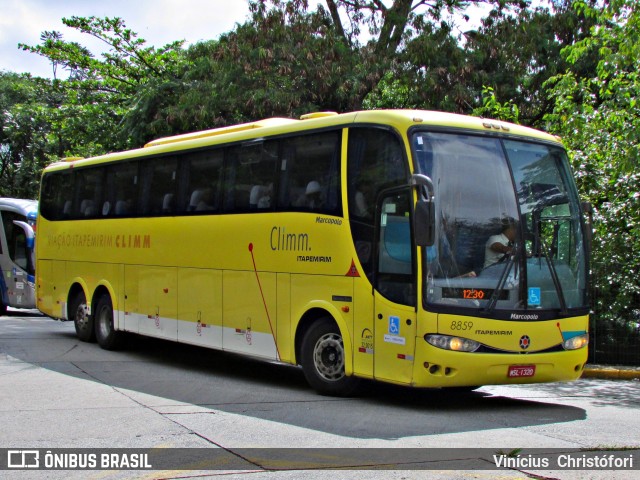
(611, 372)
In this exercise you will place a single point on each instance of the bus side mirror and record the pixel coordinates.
(424, 221)
(30, 235)
(425, 218)
(30, 244)
(587, 209)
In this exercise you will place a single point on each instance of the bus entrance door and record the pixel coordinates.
(395, 336)
(395, 292)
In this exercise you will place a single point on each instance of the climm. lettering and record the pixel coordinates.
(133, 241)
(280, 240)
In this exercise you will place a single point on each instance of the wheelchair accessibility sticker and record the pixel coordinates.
(394, 332)
(394, 325)
(534, 296)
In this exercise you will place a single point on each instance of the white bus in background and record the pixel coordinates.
(17, 242)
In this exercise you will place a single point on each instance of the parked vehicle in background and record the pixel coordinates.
(17, 259)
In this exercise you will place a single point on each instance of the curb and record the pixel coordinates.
(611, 372)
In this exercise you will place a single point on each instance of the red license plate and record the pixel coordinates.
(520, 371)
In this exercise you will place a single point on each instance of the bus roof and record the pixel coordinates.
(401, 120)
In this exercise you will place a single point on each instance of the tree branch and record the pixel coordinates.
(337, 23)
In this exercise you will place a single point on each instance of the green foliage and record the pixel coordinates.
(45, 120)
(24, 131)
(599, 117)
(492, 108)
(283, 62)
(99, 91)
(430, 72)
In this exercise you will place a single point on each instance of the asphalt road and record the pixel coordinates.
(58, 392)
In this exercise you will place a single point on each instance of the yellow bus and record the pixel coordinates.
(360, 246)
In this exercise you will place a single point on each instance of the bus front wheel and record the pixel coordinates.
(81, 318)
(322, 358)
(106, 334)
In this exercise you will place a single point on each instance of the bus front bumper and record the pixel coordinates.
(435, 367)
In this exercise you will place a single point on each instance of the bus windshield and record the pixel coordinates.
(508, 226)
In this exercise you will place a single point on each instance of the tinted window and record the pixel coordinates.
(159, 186)
(297, 173)
(203, 172)
(375, 162)
(89, 186)
(251, 177)
(122, 189)
(57, 195)
(310, 174)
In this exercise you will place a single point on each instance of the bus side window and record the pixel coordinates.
(374, 162)
(159, 179)
(121, 190)
(57, 192)
(203, 175)
(309, 174)
(250, 180)
(89, 192)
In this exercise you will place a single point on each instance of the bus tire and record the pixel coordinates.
(106, 334)
(322, 357)
(81, 318)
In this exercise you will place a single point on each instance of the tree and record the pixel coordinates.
(430, 72)
(282, 62)
(516, 52)
(412, 36)
(599, 117)
(24, 127)
(512, 53)
(98, 91)
(492, 108)
(287, 60)
(44, 120)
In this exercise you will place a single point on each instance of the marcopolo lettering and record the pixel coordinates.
(520, 316)
(333, 221)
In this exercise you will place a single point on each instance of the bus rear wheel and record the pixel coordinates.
(106, 334)
(322, 357)
(81, 318)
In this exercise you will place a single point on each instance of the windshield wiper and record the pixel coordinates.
(493, 300)
(554, 275)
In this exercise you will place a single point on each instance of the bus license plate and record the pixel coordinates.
(519, 371)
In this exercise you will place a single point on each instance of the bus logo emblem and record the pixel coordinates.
(525, 341)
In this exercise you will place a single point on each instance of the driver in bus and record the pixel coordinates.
(499, 246)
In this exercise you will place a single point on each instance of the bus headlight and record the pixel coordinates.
(447, 342)
(574, 343)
